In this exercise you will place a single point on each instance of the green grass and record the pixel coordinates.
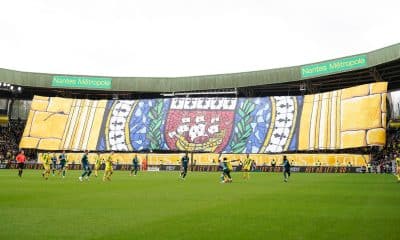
(157, 205)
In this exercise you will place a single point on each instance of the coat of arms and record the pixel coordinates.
(200, 124)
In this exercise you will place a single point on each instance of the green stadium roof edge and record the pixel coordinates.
(207, 82)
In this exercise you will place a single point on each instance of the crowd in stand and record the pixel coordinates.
(10, 135)
(383, 157)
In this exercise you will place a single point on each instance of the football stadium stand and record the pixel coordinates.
(336, 113)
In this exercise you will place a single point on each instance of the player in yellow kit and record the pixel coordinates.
(46, 165)
(246, 167)
(108, 171)
(97, 164)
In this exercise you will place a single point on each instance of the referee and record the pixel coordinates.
(20, 162)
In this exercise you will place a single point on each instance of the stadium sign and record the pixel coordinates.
(207, 168)
(81, 82)
(334, 66)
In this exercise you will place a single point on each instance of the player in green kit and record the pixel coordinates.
(85, 167)
(54, 164)
(286, 169)
(184, 165)
(63, 164)
(135, 165)
(226, 170)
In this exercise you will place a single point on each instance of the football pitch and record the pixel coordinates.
(158, 205)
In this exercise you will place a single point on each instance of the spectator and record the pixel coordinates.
(10, 136)
(253, 166)
(273, 163)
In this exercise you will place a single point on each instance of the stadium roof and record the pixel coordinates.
(382, 64)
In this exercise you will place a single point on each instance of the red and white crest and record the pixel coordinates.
(200, 124)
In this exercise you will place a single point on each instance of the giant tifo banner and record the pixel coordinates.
(347, 118)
